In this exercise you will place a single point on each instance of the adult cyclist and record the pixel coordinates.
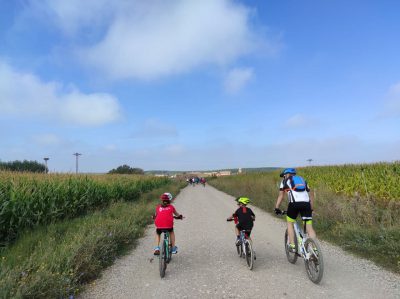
(301, 200)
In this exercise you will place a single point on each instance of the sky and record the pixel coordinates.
(199, 85)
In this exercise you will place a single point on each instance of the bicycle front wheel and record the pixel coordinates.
(239, 250)
(315, 262)
(163, 260)
(249, 254)
(291, 256)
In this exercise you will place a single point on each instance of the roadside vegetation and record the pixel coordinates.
(28, 200)
(56, 257)
(357, 206)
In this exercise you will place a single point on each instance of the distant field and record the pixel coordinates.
(29, 200)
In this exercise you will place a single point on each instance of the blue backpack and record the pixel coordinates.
(297, 183)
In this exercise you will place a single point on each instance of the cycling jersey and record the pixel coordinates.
(164, 216)
(294, 196)
(245, 217)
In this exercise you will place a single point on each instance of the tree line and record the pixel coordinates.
(34, 166)
(29, 166)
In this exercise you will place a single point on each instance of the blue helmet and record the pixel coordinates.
(287, 171)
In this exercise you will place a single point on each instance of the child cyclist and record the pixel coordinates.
(164, 220)
(244, 218)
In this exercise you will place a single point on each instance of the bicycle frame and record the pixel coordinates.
(243, 240)
(301, 236)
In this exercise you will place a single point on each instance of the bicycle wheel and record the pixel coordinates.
(239, 250)
(291, 256)
(163, 260)
(169, 255)
(249, 254)
(315, 263)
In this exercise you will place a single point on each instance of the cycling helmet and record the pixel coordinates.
(166, 196)
(287, 171)
(243, 200)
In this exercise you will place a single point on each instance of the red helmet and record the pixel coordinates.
(165, 197)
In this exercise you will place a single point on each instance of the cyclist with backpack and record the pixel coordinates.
(301, 200)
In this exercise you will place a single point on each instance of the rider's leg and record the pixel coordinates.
(157, 240)
(172, 236)
(290, 229)
(310, 230)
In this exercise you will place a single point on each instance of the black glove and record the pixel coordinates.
(180, 217)
(278, 211)
(229, 219)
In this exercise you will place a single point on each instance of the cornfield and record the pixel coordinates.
(380, 181)
(29, 200)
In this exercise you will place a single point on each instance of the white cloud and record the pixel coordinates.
(155, 38)
(298, 121)
(163, 38)
(73, 15)
(26, 95)
(237, 78)
(153, 128)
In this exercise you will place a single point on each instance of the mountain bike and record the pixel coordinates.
(245, 248)
(165, 251)
(307, 248)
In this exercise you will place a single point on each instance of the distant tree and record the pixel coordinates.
(29, 166)
(126, 169)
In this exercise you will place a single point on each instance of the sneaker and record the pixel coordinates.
(292, 247)
(157, 250)
(174, 250)
(238, 242)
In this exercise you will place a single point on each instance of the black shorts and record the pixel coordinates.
(160, 230)
(240, 228)
(304, 208)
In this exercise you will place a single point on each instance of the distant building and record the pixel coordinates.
(224, 173)
(240, 170)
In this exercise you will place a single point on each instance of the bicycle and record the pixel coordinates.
(245, 248)
(165, 251)
(307, 248)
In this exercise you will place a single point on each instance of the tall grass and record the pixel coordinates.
(29, 200)
(367, 225)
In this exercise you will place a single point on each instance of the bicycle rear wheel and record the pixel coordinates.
(249, 254)
(291, 256)
(315, 263)
(163, 260)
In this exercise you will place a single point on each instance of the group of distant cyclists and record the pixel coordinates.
(196, 180)
(301, 201)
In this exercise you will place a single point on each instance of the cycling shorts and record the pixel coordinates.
(160, 230)
(304, 208)
(240, 228)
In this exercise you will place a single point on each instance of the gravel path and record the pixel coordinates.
(207, 265)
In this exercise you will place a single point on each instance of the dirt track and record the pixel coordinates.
(207, 265)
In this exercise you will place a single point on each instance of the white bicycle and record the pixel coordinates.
(307, 248)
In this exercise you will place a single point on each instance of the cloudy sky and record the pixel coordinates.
(187, 84)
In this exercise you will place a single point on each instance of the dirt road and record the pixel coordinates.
(207, 265)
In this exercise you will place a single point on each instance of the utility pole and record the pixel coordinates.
(76, 163)
(45, 163)
(309, 161)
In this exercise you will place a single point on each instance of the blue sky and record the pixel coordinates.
(211, 84)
